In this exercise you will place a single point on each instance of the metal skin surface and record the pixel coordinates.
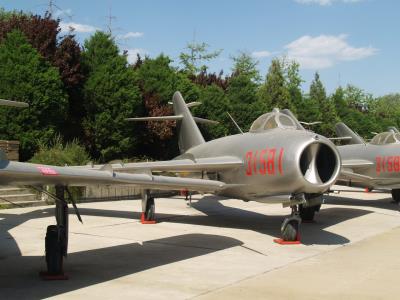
(368, 165)
(378, 165)
(255, 165)
(254, 179)
(17, 173)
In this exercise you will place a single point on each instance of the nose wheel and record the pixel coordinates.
(290, 229)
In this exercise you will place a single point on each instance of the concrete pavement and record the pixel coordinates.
(217, 249)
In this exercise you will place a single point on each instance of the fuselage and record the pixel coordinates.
(384, 167)
(275, 162)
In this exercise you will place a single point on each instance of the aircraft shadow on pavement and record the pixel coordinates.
(19, 274)
(218, 215)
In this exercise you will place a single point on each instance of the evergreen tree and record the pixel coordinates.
(326, 109)
(214, 106)
(197, 54)
(244, 64)
(274, 92)
(68, 60)
(26, 76)
(158, 82)
(294, 86)
(111, 95)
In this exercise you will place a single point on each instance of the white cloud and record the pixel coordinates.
(130, 35)
(325, 2)
(261, 54)
(81, 28)
(324, 51)
(132, 54)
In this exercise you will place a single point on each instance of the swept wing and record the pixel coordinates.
(17, 173)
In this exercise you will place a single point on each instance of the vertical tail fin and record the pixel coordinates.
(342, 130)
(189, 133)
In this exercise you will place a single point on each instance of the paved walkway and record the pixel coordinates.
(217, 249)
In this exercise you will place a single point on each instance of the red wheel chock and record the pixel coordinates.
(46, 276)
(282, 242)
(144, 221)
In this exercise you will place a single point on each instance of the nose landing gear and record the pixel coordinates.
(290, 229)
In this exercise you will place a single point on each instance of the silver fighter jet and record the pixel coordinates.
(275, 162)
(372, 165)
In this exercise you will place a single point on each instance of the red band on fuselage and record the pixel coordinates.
(47, 171)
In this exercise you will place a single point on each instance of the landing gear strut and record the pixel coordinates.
(396, 195)
(290, 226)
(307, 212)
(148, 208)
(56, 244)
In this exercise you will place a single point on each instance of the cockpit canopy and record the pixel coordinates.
(272, 120)
(386, 138)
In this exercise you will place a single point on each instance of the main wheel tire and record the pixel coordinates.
(149, 214)
(290, 232)
(307, 213)
(54, 257)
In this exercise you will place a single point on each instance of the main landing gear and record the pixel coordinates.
(56, 243)
(396, 195)
(148, 208)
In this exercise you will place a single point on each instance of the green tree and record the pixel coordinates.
(158, 82)
(214, 106)
(274, 92)
(26, 76)
(197, 55)
(111, 95)
(293, 85)
(326, 109)
(244, 64)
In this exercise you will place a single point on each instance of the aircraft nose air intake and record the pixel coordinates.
(319, 163)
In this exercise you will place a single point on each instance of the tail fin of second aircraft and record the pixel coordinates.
(189, 133)
(342, 130)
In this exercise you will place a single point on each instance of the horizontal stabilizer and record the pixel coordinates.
(188, 105)
(13, 103)
(172, 118)
(205, 121)
(161, 118)
(342, 138)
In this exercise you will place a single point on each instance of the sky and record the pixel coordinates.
(347, 41)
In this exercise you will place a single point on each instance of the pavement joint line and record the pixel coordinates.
(323, 252)
(253, 250)
(133, 221)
